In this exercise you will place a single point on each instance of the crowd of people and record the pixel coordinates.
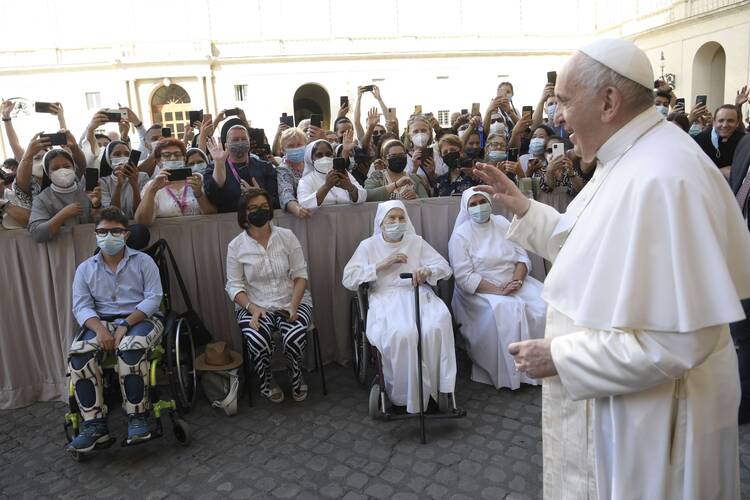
(123, 184)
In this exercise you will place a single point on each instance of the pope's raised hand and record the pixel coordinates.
(501, 188)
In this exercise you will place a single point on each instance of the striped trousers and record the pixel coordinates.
(260, 344)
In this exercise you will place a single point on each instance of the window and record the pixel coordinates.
(93, 100)
(444, 118)
(240, 92)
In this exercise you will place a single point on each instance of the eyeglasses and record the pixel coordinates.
(495, 145)
(115, 231)
(395, 156)
(176, 155)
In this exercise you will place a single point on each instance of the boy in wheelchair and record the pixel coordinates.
(395, 248)
(116, 294)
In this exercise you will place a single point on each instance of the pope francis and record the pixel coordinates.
(641, 389)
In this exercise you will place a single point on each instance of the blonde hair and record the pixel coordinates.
(292, 133)
(414, 119)
(451, 140)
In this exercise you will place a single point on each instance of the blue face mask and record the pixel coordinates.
(198, 168)
(395, 231)
(536, 146)
(109, 243)
(480, 213)
(551, 109)
(695, 129)
(663, 110)
(497, 155)
(295, 155)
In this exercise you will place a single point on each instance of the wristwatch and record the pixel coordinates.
(121, 322)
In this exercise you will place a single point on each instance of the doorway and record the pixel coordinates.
(170, 106)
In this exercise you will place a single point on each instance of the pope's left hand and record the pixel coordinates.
(533, 357)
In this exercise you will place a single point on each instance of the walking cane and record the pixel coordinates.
(419, 356)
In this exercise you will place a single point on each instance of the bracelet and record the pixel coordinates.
(247, 307)
(6, 119)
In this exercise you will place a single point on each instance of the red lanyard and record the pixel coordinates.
(182, 202)
(234, 171)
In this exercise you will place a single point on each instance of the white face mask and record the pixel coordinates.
(63, 177)
(199, 168)
(118, 160)
(172, 164)
(394, 231)
(497, 128)
(663, 110)
(323, 165)
(37, 168)
(420, 140)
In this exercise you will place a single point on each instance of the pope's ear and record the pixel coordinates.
(612, 102)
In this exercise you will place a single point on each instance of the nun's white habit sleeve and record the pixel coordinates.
(534, 230)
(599, 363)
(307, 192)
(359, 269)
(463, 269)
(431, 259)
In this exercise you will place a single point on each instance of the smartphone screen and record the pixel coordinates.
(179, 174)
(552, 77)
(392, 112)
(464, 111)
(368, 88)
(166, 132)
(339, 164)
(56, 139)
(701, 99)
(289, 120)
(113, 116)
(527, 111)
(344, 101)
(195, 116)
(315, 120)
(513, 154)
(43, 107)
(135, 156)
(418, 109)
(475, 108)
(92, 178)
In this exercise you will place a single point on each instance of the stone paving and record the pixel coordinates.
(326, 447)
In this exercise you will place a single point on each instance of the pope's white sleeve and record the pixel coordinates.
(466, 278)
(534, 230)
(598, 363)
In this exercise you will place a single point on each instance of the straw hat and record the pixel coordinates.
(217, 358)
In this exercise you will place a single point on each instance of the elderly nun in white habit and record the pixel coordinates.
(494, 300)
(321, 185)
(396, 248)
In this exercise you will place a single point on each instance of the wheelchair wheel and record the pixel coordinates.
(360, 346)
(180, 356)
(181, 431)
(373, 408)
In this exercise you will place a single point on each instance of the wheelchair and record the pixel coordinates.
(172, 358)
(368, 368)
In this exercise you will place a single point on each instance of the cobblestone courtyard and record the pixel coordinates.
(326, 447)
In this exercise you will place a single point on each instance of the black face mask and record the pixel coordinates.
(451, 159)
(397, 164)
(259, 217)
(474, 153)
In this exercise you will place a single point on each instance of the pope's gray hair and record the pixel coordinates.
(593, 75)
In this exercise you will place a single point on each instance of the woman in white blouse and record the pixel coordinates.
(321, 184)
(267, 280)
(164, 198)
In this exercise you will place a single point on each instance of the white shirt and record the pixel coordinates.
(309, 184)
(266, 275)
(174, 201)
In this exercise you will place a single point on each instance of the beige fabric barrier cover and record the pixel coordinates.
(37, 324)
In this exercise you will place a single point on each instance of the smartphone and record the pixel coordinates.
(232, 112)
(289, 120)
(527, 111)
(418, 109)
(513, 154)
(344, 101)
(43, 107)
(56, 139)
(166, 132)
(464, 111)
(680, 102)
(134, 158)
(92, 178)
(428, 153)
(552, 77)
(258, 136)
(316, 120)
(701, 99)
(179, 174)
(368, 88)
(392, 112)
(339, 164)
(475, 108)
(195, 116)
(558, 149)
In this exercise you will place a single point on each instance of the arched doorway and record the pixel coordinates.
(312, 98)
(169, 106)
(709, 67)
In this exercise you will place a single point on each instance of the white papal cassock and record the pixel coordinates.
(650, 261)
(489, 322)
(391, 322)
